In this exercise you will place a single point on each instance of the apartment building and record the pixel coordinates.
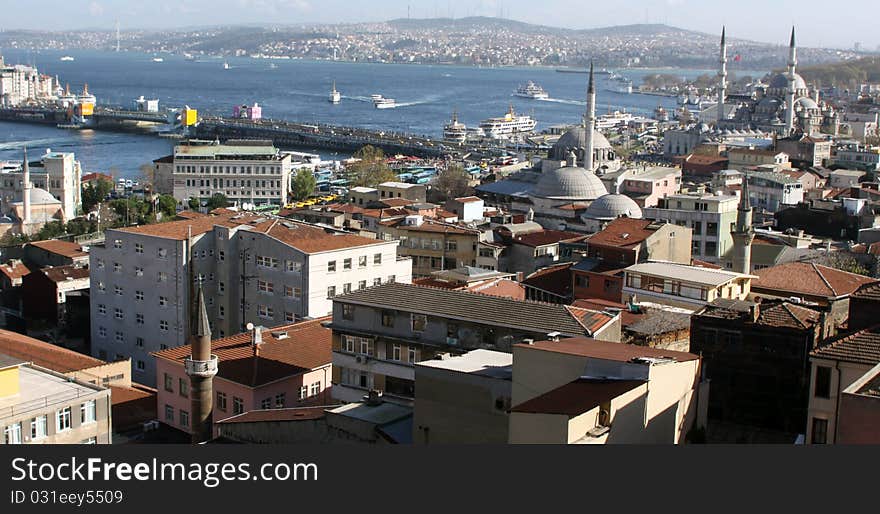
(773, 191)
(267, 271)
(380, 333)
(648, 185)
(683, 286)
(247, 172)
(283, 367)
(41, 406)
(712, 217)
(742, 158)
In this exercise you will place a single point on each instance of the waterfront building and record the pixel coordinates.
(267, 271)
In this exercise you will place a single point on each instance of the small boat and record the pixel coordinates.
(335, 96)
(532, 90)
(67, 58)
(273, 66)
(158, 59)
(225, 65)
(381, 102)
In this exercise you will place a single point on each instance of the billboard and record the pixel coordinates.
(190, 117)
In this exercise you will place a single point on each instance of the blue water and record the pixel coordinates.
(297, 90)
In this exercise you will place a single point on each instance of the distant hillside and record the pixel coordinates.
(472, 23)
(643, 30)
(845, 74)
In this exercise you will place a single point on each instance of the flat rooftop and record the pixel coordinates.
(485, 363)
(40, 389)
(379, 414)
(685, 273)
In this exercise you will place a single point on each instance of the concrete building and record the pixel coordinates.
(380, 333)
(363, 196)
(282, 367)
(772, 191)
(468, 208)
(433, 245)
(582, 391)
(413, 192)
(844, 179)
(860, 410)
(246, 172)
(40, 406)
(857, 157)
(649, 184)
(267, 271)
(59, 297)
(742, 158)
(806, 150)
(54, 252)
(463, 399)
(680, 285)
(710, 216)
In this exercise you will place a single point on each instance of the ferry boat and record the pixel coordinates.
(67, 58)
(613, 120)
(455, 131)
(507, 125)
(158, 59)
(531, 90)
(335, 96)
(381, 102)
(619, 84)
(225, 65)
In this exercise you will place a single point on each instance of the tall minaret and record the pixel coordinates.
(743, 233)
(201, 367)
(25, 193)
(590, 122)
(792, 65)
(722, 78)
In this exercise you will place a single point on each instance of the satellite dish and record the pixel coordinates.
(249, 326)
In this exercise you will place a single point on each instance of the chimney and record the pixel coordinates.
(755, 312)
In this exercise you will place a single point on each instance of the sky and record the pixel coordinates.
(759, 20)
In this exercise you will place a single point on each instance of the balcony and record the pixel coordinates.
(369, 364)
(204, 369)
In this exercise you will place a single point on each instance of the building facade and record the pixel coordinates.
(712, 217)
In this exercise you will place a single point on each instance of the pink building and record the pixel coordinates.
(286, 366)
(647, 186)
(253, 112)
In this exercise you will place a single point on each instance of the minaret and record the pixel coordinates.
(722, 78)
(25, 193)
(201, 367)
(792, 65)
(743, 233)
(590, 122)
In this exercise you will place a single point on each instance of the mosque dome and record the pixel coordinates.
(40, 196)
(806, 103)
(613, 206)
(780, 81)
(576, 139)
(569, 183)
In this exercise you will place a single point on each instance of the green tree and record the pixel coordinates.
(167, 205)
(194, 204)
(217, 201)
(50, 230)
(371, 170)
(95, 193)
(304, 184)
(453, 183)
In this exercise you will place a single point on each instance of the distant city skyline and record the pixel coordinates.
(757, 20)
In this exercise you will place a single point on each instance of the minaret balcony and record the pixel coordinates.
(197, 368)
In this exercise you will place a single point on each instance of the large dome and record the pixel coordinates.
(575, 139)
(780, 81)
(613, 206)
(39, 196)
(569, 183)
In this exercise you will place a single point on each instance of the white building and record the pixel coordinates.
(710, 216)
(246, 172)
(774, 191)
(267, 271)
(59, 173)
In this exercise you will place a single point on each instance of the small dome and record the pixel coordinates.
(806, 103)
(613, 206)
(40, 196)
(576, 139)
(569, 183)
(780, 81)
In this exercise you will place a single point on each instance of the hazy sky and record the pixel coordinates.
(760, 20)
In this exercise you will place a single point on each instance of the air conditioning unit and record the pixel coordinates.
(361, 359)
(151, 425)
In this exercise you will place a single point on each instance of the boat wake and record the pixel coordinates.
(563, 101)
(33, 143)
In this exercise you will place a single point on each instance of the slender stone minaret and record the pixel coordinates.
(792, 65)
(722, 78)
(201, 367)
(25, 193)
(743, 233)
(590, 122)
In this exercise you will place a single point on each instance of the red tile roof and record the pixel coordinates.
(292, 414)
(45, 354)
(468, 199)
(306, 347)
(590, 319)
(132, 406)
(15, 270)
(310, 238)
(862, 347)
(809, 279)
(395, 202)
(578, 397)
(64, 273)
(555, 279)
(593, 348)
(623, 233)
(627, 318)
(63, 248)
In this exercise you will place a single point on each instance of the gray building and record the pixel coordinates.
(710, 216)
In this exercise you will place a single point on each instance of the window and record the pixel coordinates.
(391, 278)
(38, 427)
(711, 229)
(139, 319)
(346, 264)
(138, 271)
(169, 383)
(698, 227)
(118, 314)
(221, 287)
(221, 255)
(265, 287)
(451, 246)
(331, 291)
(823, 382)
(102, 309)
(221, 401)
(12, 433)
(62, 420)
(169, 413)
(163, 301)
(316, 389)
(237, 405)
(387, 318)
(377, 281)
(362, 261)
(331, 266)
(118, 290)
(293, 266)
(163, 325)
(264, 311)
(162, 276)
(162, 253)
(820, 431)
(346, 288)
(100, 263)
(377, 258)
(102, 331)
(101, 287)
(711, 248)
(266, 403)
(289, 317)
(184, 418)
(451, 331)
(183, 386)
(347, 311)
(303, 392)
(419, 322)
(413, 354)
(138, 248)
(117, 243)
(395, 352)
(87, 412)
(139, 296)
(280, 399)
(362, 284)
(90, 440)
